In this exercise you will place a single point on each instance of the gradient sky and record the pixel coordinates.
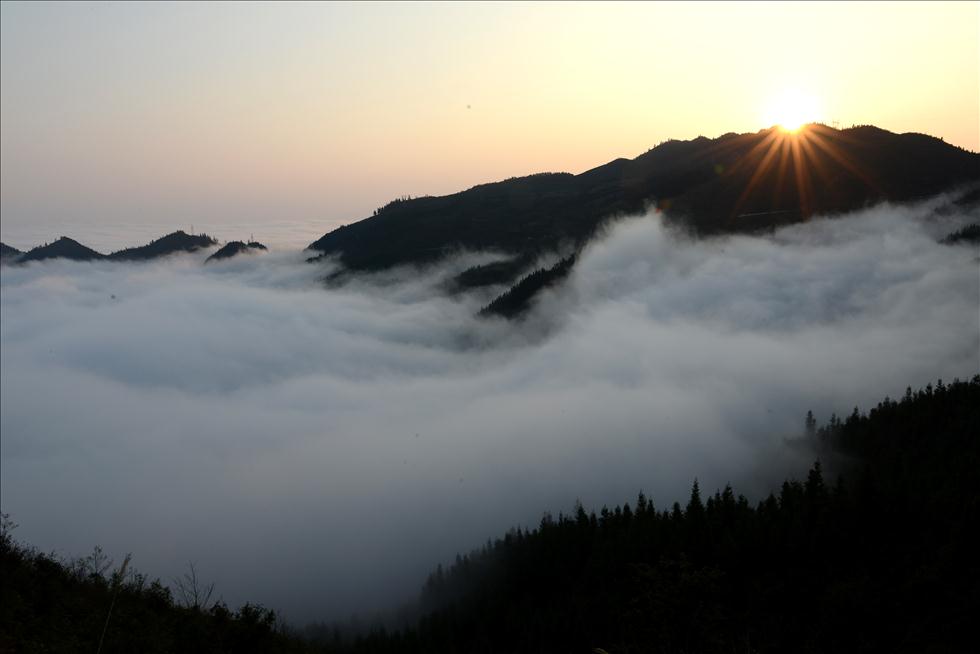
(318, 113)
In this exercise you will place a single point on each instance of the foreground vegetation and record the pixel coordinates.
(51, 605)
(881, 559)
(875, 551)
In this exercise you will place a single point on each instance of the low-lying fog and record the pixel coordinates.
(319, 451)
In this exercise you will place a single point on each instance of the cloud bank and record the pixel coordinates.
(318, 451)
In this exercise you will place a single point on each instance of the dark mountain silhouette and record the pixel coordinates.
(8, 253)
(733, 183)
(232, 248)
(178, 241)
(63, 248)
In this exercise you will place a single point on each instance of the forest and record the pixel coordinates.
(874, 551)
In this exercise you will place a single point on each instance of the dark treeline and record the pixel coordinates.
(969, 234)
(497, 272)
(51, 605)
(875, 556)
(875, 551)
(517, 299)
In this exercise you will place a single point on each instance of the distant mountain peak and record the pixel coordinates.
(174, 242)
(233, 248)
(63, 248)
(68, 248)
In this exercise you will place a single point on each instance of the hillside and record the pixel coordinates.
(178, 241)
(736, 182)
(870, 553)
(233, 248)
(51, 605)
(8, 253)
(875, 557)
(63, 248)
(516, 300)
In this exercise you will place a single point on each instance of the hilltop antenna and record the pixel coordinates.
(192, 228)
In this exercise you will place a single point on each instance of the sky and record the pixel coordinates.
(320, 451)
(295, 118)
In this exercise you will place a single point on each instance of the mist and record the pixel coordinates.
(320, 450)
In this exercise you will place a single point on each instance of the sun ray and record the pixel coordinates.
(803, 188)
(831, 150)
(781, 174)
(812, 159)
(772, 141)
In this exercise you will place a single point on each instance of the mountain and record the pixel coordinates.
(63, 248)
(178, 241)
(232, 248)
(8, 253)
(733, 183)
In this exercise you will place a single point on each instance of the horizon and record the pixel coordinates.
(317, 114)
(291, 235)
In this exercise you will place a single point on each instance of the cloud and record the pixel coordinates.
(319, 451)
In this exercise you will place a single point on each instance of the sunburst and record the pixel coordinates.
(811, 150)
(792, 108)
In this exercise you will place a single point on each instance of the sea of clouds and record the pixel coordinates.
(318, 450)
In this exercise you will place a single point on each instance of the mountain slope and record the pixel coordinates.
(178, 241)
(517, 300)
(736, 182)
(8, 253)
(63, 248)
(232, 248)
(52, 605)
(881, 560)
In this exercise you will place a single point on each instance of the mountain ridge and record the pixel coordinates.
(68, 248)
(233, 248)
(178, 241)
(8, 252)
(733, 183)
(62, 248)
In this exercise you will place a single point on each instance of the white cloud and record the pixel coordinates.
(319, 450)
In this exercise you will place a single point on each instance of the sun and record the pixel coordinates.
(791, 109)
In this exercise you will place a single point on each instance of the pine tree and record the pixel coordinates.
(810, 425)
